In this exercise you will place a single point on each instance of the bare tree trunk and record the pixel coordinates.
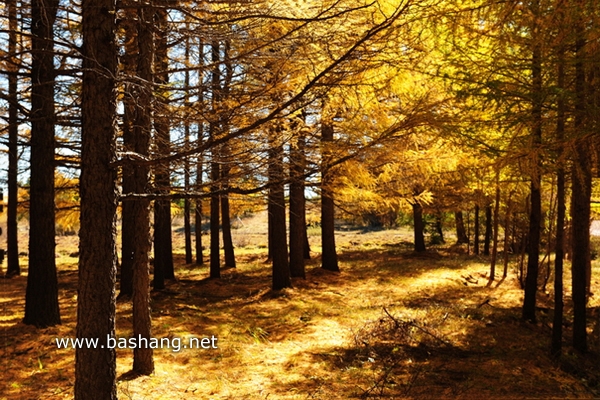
(13, 267)
(476, 231)
(163, 241)
(129, 60)
(187, 204)
(557, 321)
(488, 230)
(143, 362)
(215, 171)
(297, 214)
(228, 249)
(496, 226)
(581, 179)
(329, 255)
(535, 216)
(506, 235)
(419, 227)
(198, 203)
(199, 171)
(41, 299)
(95, 369)
(461, 233)
(187, 211)
(439, 226)
(276, 198)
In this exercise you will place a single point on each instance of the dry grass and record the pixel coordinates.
(391, 325)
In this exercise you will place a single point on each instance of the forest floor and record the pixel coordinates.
(391, 325)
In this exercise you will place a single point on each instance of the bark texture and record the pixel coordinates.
(95, 369)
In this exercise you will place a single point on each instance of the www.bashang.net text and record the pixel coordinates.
(175, 344)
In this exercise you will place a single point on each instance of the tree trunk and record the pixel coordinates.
(419, 227)
(461, 233)
(276, 198)
(476, 231)
(228, 249)
(41, 299)
(129, 60)
(95, 369)
(198, 203)
(215, 169)
(305, 234)
(506, 236)
(535, 216)
(297, 214)
(163, 241)
(439, 226)
(187, 204)
(215, 256)
(199, 168)
(488, 230)
(143, 362)
(13, 267)
(329, 259)
(557, 321)
(278, 244)
(580, 202)
(496, 226)
(187, 227)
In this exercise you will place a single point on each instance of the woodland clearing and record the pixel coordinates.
(392, 324)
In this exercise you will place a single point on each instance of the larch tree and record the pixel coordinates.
(95, 368)
(561, 113)
(581, 190)
(187, 203)
(461, 232)
(41, 300)
(215, 167)
(276, 209)
(13, 268)
(227, 162)
(329, 259)
(163, 241)
(199, 164)
(143, 362)
(535, 215)
(297, 208)
(129, 63)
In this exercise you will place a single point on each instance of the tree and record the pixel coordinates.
(557, 321)
(535, 216)
(329, 255)
(143, 362)
(487, 236)
(163, 241)
(476, 230)
(215, 169)
(129, 62)
(41, 300)
(187, 205)
(95, 369)
(297, 212)
(461, 232)
(227, 164)
(276, 209)
(581, 190)
(13, 267)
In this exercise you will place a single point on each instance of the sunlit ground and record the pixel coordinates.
(392, 324)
